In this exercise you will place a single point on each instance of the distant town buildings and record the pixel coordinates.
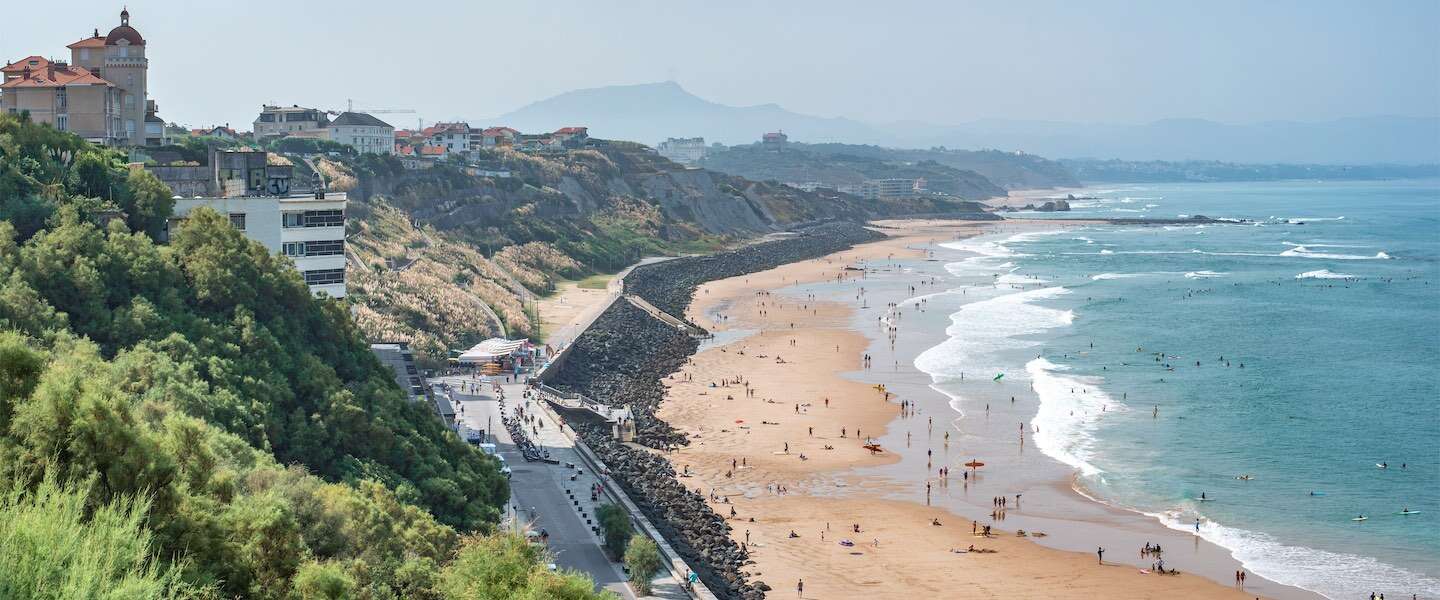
(101, 94)
(495, 137)
(294, 120)
(444, 139)
(686, 151)
(363, 132)
(223, 132)
(774, 141)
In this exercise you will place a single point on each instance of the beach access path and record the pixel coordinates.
(793, 357)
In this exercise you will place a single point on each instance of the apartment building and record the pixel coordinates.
(101, 94)
(306, 226)
(686, 151)
(879, 189)
(363, 132)
(294, 120)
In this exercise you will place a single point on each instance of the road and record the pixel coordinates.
(538, 491)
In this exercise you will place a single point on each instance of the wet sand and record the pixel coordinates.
(830, 490)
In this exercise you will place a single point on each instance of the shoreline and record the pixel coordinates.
(827, 350)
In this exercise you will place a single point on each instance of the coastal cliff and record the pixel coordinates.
(447, 256)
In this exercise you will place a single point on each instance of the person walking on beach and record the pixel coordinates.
(1100, 555)
(800, 589)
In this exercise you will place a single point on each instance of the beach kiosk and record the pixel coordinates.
(499, 355)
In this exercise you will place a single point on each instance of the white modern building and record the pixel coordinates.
(363, 132)
(307, 228)
(880, 189)
(686, 151)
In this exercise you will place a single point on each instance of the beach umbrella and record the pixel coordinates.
(974, 464)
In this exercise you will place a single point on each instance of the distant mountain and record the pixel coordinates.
(651, 112)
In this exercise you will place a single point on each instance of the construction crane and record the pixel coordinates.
(350, 107)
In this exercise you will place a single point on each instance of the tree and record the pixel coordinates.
(643, 560)
(615, 528)
(148, 204)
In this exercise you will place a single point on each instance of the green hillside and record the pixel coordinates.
(185, 420)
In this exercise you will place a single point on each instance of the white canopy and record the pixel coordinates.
(490, 350)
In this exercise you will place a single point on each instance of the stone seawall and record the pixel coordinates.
(670, 285)
(624, 357)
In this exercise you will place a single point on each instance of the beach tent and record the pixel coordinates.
(491, 350)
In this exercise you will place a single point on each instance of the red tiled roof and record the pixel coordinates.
(431, 151)
(571, 130)
(19, 65)
(51, 76)
(97, 41)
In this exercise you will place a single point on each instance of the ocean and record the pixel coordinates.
(1297, 349)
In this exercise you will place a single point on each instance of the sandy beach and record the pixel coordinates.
(777, 429)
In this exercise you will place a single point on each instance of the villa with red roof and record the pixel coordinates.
(100, 94)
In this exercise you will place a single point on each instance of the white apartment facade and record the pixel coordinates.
(308, 228)
(363, 132)
(686, 151)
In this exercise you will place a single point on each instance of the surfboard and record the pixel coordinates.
(1203, 499)
(1359, 518)
(1408, 512)
(1317, 493)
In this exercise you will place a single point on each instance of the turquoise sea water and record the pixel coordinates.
(1330, 298)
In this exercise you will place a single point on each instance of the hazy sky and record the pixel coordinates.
(936, 61)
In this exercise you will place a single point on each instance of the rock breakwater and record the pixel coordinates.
(624, 357)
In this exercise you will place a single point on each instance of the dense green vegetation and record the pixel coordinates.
(185, 420)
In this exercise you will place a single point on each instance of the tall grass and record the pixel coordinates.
(51, 546)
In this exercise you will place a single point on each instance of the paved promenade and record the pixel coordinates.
(539, 490)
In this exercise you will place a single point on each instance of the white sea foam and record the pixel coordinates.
(1204, 275)
(1106, 276)
(1070, 410)
(1306, 252)
(979, 329)
(1332, 574)
(1324, 274)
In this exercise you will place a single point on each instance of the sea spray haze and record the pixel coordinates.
(1315, 324)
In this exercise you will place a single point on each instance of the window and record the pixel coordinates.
(293, 248)
(129, 127)
(84, 54)
(324, 218)
(62, 122)
(238, 220)
(292, 220)
(325, 248)
(325, 276)
(61, 99)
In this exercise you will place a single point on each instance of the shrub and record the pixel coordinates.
(643, 560)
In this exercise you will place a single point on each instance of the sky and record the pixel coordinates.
(941, 62)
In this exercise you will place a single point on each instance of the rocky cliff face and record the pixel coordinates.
(447, 250)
